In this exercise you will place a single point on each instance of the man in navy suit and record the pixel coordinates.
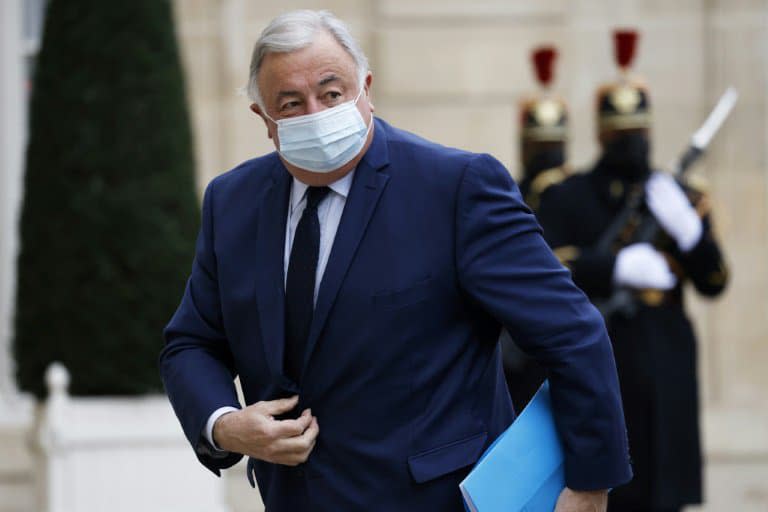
(356, 281)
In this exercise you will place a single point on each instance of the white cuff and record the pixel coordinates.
(218, 413)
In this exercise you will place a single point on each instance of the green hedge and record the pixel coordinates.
(110, 211)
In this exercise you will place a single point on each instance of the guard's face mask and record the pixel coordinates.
(545, 159)
(626, 154)
(324, 141)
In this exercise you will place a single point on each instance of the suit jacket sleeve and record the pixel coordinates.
(505, 266)
(196, 364)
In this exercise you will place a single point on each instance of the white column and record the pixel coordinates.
(13, 408)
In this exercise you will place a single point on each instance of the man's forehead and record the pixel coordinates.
(324, 56)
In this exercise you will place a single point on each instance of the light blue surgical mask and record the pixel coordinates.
(324, 141)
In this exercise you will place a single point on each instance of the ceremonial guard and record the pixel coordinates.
(543, 135)
(652, 337)
(543, 132)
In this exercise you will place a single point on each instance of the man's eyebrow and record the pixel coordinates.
(324, 81)
(284, 94)
(327, 80)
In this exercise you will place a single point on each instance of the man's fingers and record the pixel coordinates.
(299, 445)
(309, 437)
(292, 428)
(288, 442)
(279, 406)
(582, 501)
(313, 430)
(294, 459)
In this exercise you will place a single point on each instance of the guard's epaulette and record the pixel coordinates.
(542, 182)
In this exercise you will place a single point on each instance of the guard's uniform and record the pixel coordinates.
(655, 346)
(655, 349)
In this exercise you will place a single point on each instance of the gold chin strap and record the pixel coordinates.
(624, 121)
(545, 133)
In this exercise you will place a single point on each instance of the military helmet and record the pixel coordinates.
(625, 103)
(543, 116)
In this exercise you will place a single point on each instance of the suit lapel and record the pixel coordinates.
(368, 184)
(270, 290)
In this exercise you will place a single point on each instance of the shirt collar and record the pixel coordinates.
(340, 186)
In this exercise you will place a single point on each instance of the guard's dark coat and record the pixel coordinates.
(655, 349)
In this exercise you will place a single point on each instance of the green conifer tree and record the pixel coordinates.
(110, 211)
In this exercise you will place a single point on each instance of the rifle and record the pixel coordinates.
(622, 299)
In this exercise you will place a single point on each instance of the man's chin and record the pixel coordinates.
(319, 179)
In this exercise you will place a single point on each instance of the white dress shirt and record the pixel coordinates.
(329, 214)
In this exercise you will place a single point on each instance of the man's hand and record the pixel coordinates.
(255, 432)
(582, 501)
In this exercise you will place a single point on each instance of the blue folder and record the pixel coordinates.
(522, 471)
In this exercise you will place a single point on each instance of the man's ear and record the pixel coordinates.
(367, 86)
(257, 110)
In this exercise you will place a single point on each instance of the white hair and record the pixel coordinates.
(295, 30)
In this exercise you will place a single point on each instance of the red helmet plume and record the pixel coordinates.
(625, 42)
(543, 61)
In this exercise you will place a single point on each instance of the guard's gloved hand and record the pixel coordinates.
(642, 266)
(673, 211)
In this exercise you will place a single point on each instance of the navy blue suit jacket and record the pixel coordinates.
(435, 251)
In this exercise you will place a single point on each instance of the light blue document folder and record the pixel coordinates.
(522, 471)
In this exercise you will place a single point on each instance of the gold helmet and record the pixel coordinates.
(544, 117)
(624, 104)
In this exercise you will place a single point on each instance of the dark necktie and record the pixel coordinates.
(300, 284)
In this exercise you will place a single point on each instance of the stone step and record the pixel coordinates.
(17, 494)
(17, 481)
